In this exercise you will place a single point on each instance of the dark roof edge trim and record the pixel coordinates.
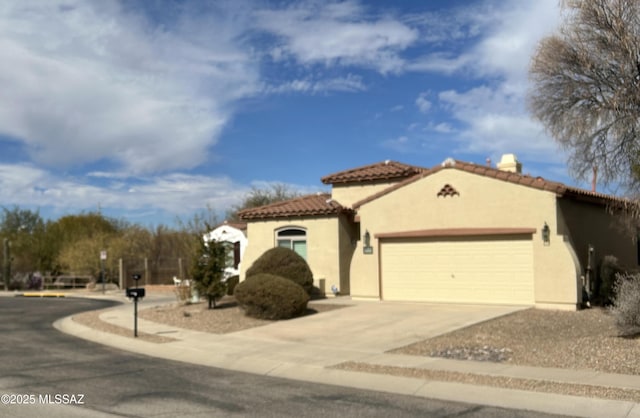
(456, 232)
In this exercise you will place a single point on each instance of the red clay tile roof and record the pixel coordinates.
(385, 170)
(583, 194)
(237, 225)
(310, 205)
(525, 180)
(322, 204)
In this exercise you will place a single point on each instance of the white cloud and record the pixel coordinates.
(441, 127)
(440, 62)
(500, 37)
(495, 123)
(293, 187)
(423, 104)
(350, 83)
(400, 144)
(337, 33)
(90, 81)
(457, 24)
(27, 185)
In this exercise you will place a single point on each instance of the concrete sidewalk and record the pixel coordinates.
(283, 350)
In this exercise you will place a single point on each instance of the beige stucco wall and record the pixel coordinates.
(591, 224)
(348, 194)
(326, 236)
(483, 203)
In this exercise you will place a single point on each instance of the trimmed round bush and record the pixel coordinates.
(266, 296)
(285, 263)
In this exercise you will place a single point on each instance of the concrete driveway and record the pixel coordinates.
(376, 326)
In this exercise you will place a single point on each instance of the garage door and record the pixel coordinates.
(458, 269)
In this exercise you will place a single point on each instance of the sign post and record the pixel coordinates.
(103, 258)
(6, 263)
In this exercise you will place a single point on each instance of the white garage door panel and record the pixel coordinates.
(475, 271)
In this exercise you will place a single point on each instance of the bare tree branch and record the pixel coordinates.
(586, 88)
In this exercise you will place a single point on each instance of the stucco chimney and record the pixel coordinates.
(509, 162)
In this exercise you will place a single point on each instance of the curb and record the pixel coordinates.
(41, 295)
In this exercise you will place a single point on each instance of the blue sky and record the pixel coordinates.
(152, 110)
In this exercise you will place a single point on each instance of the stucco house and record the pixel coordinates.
(234, 236)
(457, 232)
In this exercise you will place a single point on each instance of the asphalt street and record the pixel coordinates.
(46, 373)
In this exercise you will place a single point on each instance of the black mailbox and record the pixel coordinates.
(136, 293)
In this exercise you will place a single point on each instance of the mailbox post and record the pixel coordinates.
(135, 294)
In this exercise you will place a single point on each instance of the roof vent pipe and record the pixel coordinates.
(594, 181)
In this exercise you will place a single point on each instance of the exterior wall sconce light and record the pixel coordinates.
(367, 248)
(546, 234)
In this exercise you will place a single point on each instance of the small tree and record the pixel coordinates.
(207, 270)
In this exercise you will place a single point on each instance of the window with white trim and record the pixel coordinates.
(232, 254)
(293, 238)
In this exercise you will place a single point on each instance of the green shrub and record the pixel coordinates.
(266, 296)
(626, 304)
(606, 279)
(232, 282)
(285, 263)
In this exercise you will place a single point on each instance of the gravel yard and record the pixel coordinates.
(585, 339)
(227, 317)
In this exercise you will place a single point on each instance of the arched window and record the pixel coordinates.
(294, 239)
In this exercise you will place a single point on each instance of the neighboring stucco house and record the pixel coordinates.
(458, 232)
(234, 236)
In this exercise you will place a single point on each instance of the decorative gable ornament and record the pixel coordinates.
(448, 190)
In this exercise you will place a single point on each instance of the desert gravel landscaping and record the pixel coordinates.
(226, 318)
(585, 339)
